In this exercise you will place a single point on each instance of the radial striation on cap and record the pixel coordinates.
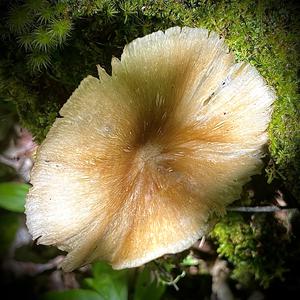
(142, 161)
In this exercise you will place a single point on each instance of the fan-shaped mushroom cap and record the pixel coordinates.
(141, 160)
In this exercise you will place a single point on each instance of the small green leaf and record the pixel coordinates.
(190, 261)
(147, 288)
(110, 284)
(76, 294)
(12, 196)
(9, 224)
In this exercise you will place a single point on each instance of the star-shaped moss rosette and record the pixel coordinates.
(141, 160)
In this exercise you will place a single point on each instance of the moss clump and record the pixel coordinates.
(255, 245)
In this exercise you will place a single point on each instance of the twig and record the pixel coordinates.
(169, 280)
(259, 209)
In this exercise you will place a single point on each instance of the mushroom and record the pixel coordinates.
(142, 162)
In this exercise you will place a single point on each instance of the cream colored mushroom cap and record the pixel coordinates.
(141, 161)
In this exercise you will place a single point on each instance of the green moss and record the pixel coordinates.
(255, 245)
